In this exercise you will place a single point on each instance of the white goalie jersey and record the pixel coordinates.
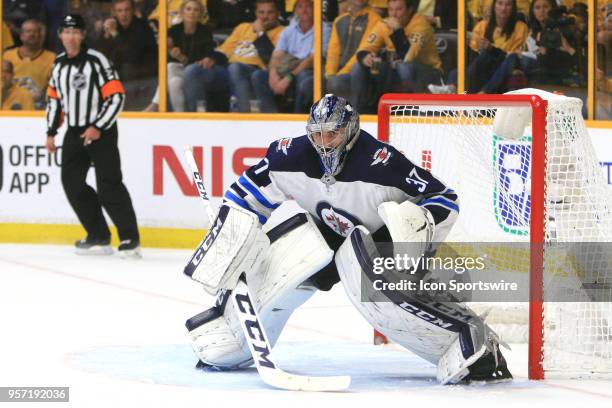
(374, 173)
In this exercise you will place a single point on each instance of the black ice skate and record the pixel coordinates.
(490, 368)
(130, 248)
(93, 246)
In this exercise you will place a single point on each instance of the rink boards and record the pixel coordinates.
(34, 208)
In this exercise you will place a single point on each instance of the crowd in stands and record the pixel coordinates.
(257, 55)
(510, 49)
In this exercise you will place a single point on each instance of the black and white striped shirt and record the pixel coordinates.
(85, 89)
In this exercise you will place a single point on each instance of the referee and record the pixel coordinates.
(85, 91)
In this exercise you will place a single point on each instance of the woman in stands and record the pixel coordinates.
(188, 42)
(497, 42)
(551, 55)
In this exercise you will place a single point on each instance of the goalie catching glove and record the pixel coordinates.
(408, 222)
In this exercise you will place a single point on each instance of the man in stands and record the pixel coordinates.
(14, 97)
(349, 33)
(247, 49)
(31, 63)
(129, 43)
(412, 60)
(291, 64)
(248, 57)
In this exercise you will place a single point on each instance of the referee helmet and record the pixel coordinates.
(72, 21)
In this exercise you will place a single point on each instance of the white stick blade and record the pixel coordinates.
(294, 382)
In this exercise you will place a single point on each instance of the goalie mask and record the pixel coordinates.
(332, 128)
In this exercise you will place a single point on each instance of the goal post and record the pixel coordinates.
(557, 177)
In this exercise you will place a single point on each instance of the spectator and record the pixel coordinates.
(95, 13)
(379, 6)
(290, 72)
(578, 37)
(129, 43)
(252, 54)
(412, 60)
(552, 58)
(248, 50)
(15, 12)
(497, 42)
(425, 8)
(14, 97)
(481, 9)
(348, 35)
(188, 42)
(7, 37)
(31, 63)
(175, 15)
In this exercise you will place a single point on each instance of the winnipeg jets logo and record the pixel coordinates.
(414, 178)
(78, 81)
(284, 145)
(340, 224)
(340, 221)
(382, 155)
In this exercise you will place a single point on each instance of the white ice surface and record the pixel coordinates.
(112, 330)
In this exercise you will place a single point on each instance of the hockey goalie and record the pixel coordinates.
(354, 190)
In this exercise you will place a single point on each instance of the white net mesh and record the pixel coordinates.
(492, 176)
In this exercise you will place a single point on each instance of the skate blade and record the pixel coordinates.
(95, 250)
(492, 381)
(131, 254)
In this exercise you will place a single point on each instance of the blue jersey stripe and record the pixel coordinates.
(244, 182)
(237, 190)
(230, 196)
(441, 201)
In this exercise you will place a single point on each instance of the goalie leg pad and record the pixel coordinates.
(447, 334)
(233, 245)
(298, 251)
(213, 340)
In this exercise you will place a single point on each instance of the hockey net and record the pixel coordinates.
(543, 186)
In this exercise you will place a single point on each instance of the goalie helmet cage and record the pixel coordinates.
(406, 119)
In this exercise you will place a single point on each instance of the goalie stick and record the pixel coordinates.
(253, 330)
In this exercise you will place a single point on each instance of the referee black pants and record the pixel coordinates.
(112, 194)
